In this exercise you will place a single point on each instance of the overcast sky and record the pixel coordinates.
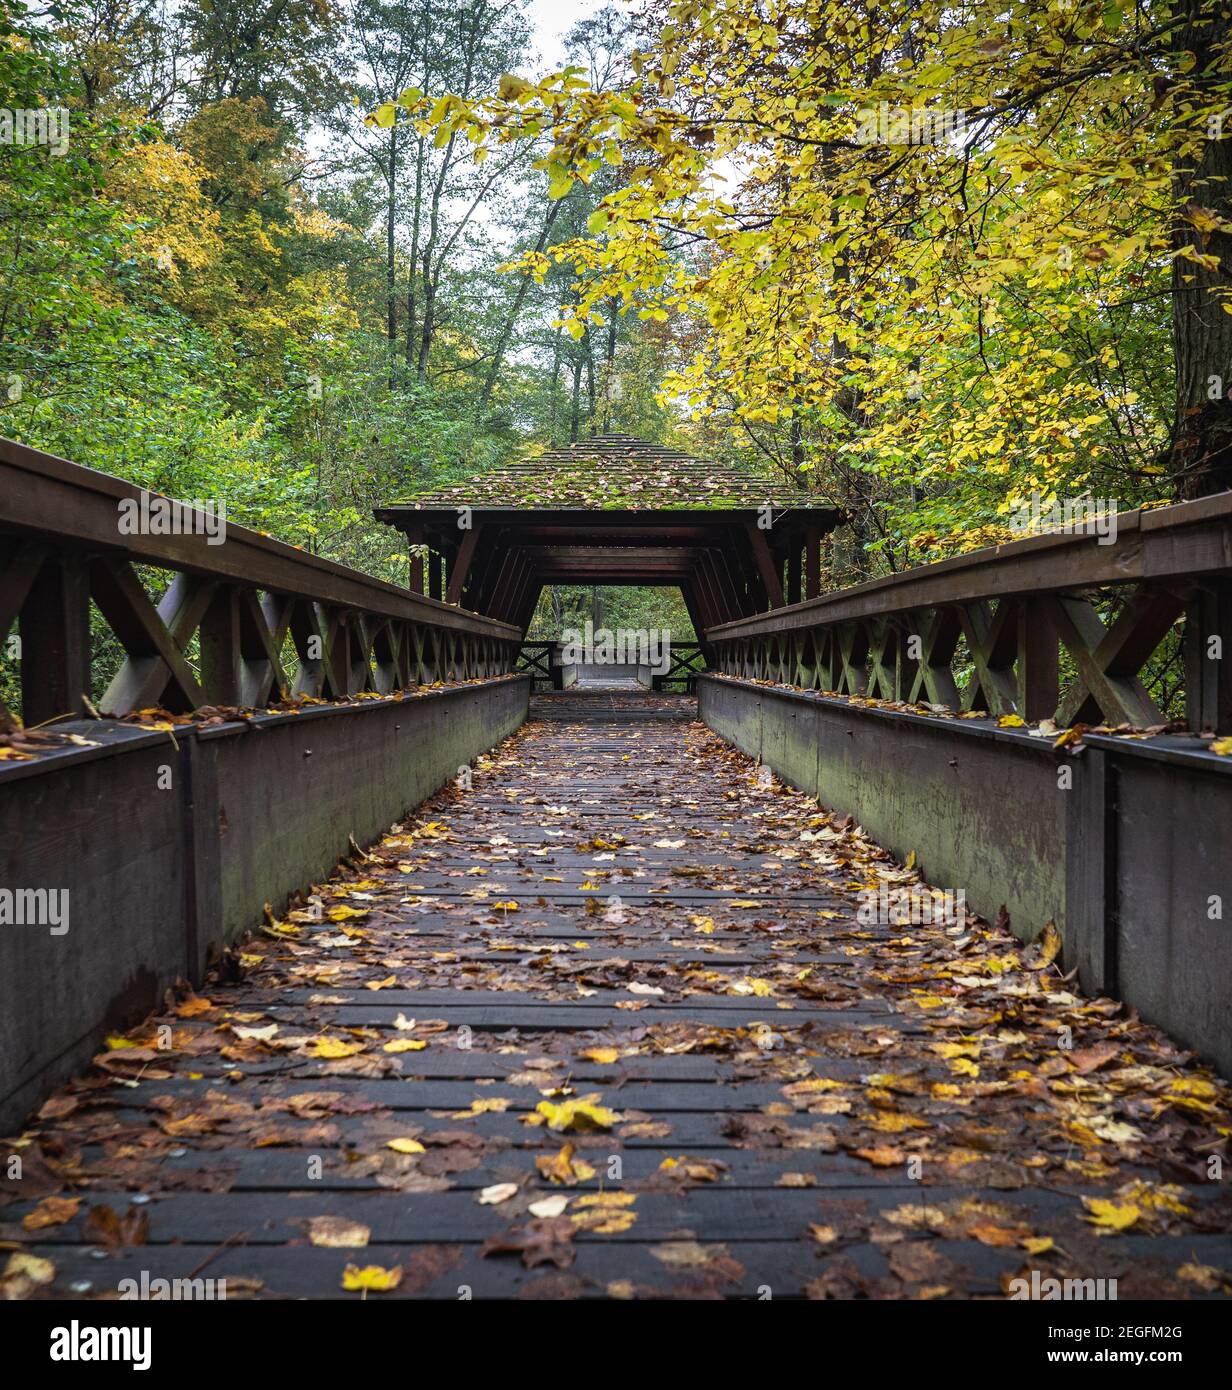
(553, 19)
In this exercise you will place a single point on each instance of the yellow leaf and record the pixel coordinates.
(883, 1157)
(600, 1054)
(24, 1266)
(495, 1106)
(405, 1146)
(404, 1045)
(332, 1048)
(579, 1115)
(497, 1193)
(1036, 1245)
(1049, 942)
(371, 1278)
(605, 1213)
(563, 1168)
(1108, 1216)
(1192, 1093)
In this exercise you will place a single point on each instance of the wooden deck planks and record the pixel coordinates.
(738, 1018)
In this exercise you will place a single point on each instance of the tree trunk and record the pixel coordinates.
(391, 291)
(1201, 453)
(609, 365)
(412, 310)
(502, 342)
(577, 400)
(429, 324)
(554, 393)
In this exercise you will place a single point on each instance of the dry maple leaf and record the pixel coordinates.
(104, 1227)
(546, 1240)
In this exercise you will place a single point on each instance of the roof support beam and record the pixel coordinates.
(461, 567)
(717, 566)
(767, 571)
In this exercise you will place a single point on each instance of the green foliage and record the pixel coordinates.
(572, 606)
(182, 307)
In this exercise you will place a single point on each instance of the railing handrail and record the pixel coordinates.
(67, 503)
(986, 631)
(261, 616)
(1146, 548)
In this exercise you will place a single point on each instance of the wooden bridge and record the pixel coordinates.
(884, 953)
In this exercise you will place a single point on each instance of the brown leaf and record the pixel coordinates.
(104, 1227)
(547, 1240)
(51, 1211)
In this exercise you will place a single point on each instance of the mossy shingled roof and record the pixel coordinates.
(617, 472)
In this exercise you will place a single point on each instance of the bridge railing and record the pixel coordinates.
(541, 661)
(1056, 626)
(687, 662)
(244, 619)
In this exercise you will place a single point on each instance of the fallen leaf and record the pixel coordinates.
(1108, 1217)
(497, 1193)
(337, 1233)
(51, 1211)
(550, 1206)
(583, 1116)
(371, 1278)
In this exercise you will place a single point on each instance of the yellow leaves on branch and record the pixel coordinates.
(943, 259)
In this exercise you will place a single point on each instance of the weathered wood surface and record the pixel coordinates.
(808, 1104)
(1001, 619)
(268, 619)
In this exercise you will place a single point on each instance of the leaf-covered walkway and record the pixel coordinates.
(606, 1024)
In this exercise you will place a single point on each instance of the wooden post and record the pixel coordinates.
(415, 570)
(793, 566)
(1208, 658)
(714, 564)
(812, 561)
(220, 648)
(1039, 688)
(55, 641)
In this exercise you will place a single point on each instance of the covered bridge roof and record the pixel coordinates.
(615, 472)
(618, 510)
